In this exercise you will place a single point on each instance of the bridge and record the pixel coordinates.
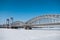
(50, 20)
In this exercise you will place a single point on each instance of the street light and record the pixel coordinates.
(11, 21)
(7, 23)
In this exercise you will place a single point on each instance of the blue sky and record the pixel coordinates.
(24, 10)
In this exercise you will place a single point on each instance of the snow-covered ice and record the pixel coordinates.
(16, 34)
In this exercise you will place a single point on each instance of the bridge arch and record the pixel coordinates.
(39, 18)
(17, 23)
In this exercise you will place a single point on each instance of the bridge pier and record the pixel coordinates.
(28, 27)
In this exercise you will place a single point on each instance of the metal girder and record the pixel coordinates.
(43, 16)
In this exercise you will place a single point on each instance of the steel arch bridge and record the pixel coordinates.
(51, 20)
(44, 21)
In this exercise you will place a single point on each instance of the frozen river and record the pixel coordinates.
(17, 34)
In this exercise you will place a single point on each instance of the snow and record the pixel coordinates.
(17, 34)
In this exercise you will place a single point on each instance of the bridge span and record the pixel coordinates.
(39, 21)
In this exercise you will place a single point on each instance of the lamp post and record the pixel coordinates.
(7, 23)
(11, 21)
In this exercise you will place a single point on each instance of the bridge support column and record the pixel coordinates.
(28, 27)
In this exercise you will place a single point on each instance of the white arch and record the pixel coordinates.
(43, 16)
(18, 23)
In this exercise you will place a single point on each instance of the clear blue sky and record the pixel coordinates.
(24, 10)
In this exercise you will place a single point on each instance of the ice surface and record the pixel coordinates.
(16, 34)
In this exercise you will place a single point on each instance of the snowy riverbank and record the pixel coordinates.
(16, 34)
